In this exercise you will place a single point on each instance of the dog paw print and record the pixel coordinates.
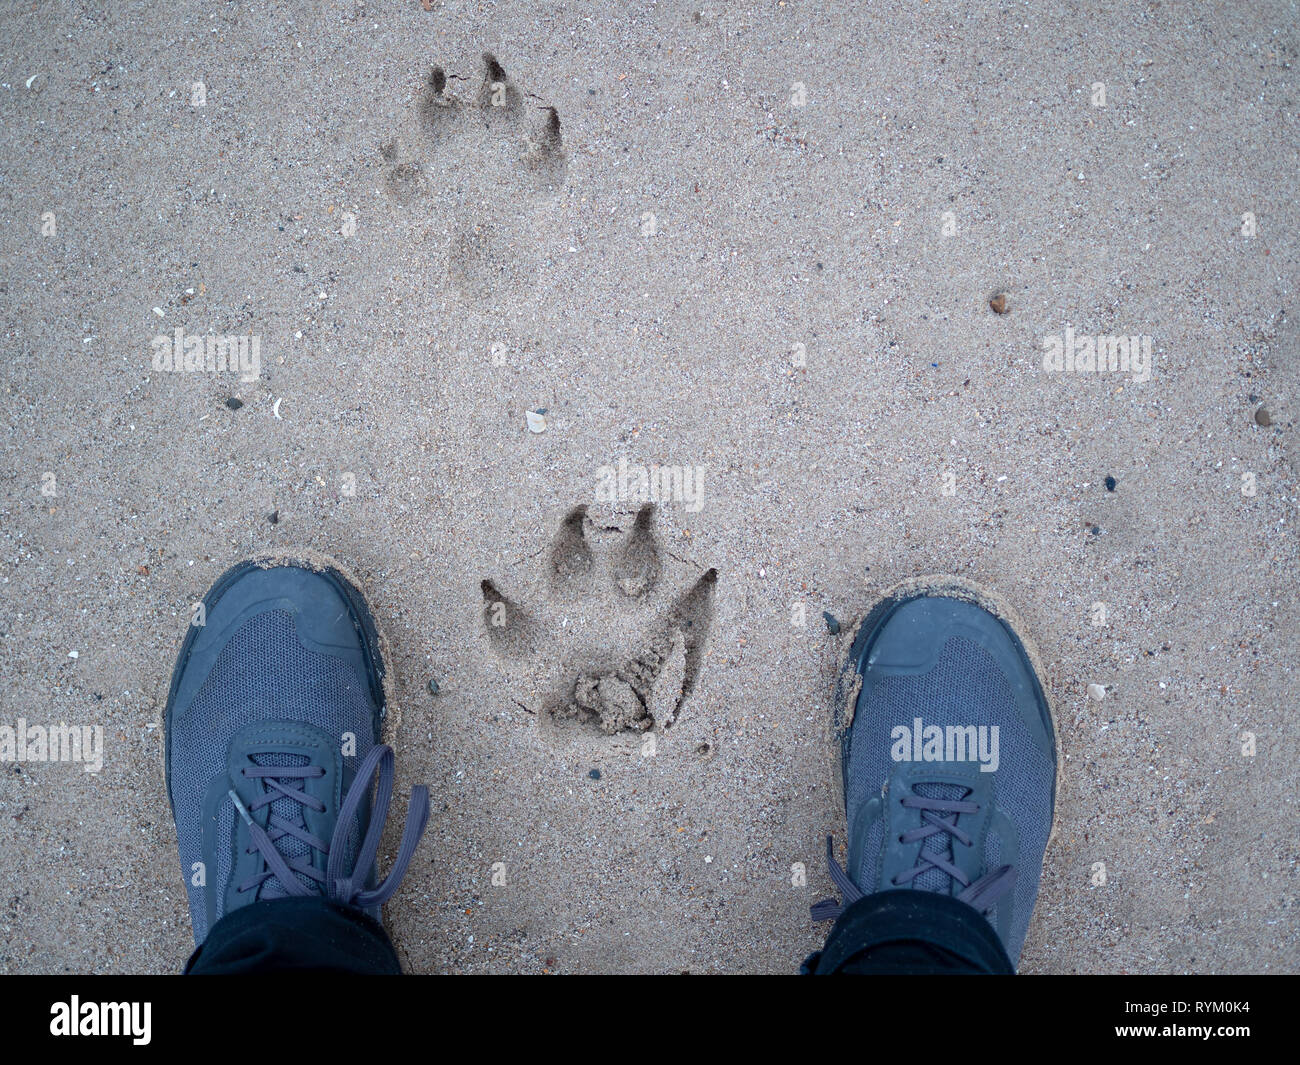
(629, 652)
(485, 156)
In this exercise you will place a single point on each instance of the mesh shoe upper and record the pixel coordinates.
(285, 675)
(949, 762)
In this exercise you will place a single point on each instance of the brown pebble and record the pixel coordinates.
(143, 571)
(1262, 417)
(999, 303)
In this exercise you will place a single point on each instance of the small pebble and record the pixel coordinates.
(1096, 691)
(433, 686)
(234, 404)
(274, 517)
(1110, 484)
(832, 626)
(1262, 417)
(999, 303)
(594, 774)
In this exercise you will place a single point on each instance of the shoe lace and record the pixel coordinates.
(981, 894)
(339, 885)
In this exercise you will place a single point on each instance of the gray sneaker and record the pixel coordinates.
(949, 757)
(273, 743)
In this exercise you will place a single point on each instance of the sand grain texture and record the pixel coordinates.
(683, 268)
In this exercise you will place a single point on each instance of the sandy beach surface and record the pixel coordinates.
(749, 252)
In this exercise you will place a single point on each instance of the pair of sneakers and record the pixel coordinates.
(274, 746)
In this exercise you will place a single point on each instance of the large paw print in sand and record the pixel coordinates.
(484, 161)
(623, 654)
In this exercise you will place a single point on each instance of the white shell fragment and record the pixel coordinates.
(536, 422)
(1097, 692)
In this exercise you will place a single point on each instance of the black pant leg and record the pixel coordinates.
(910, 932)
(307, 934)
